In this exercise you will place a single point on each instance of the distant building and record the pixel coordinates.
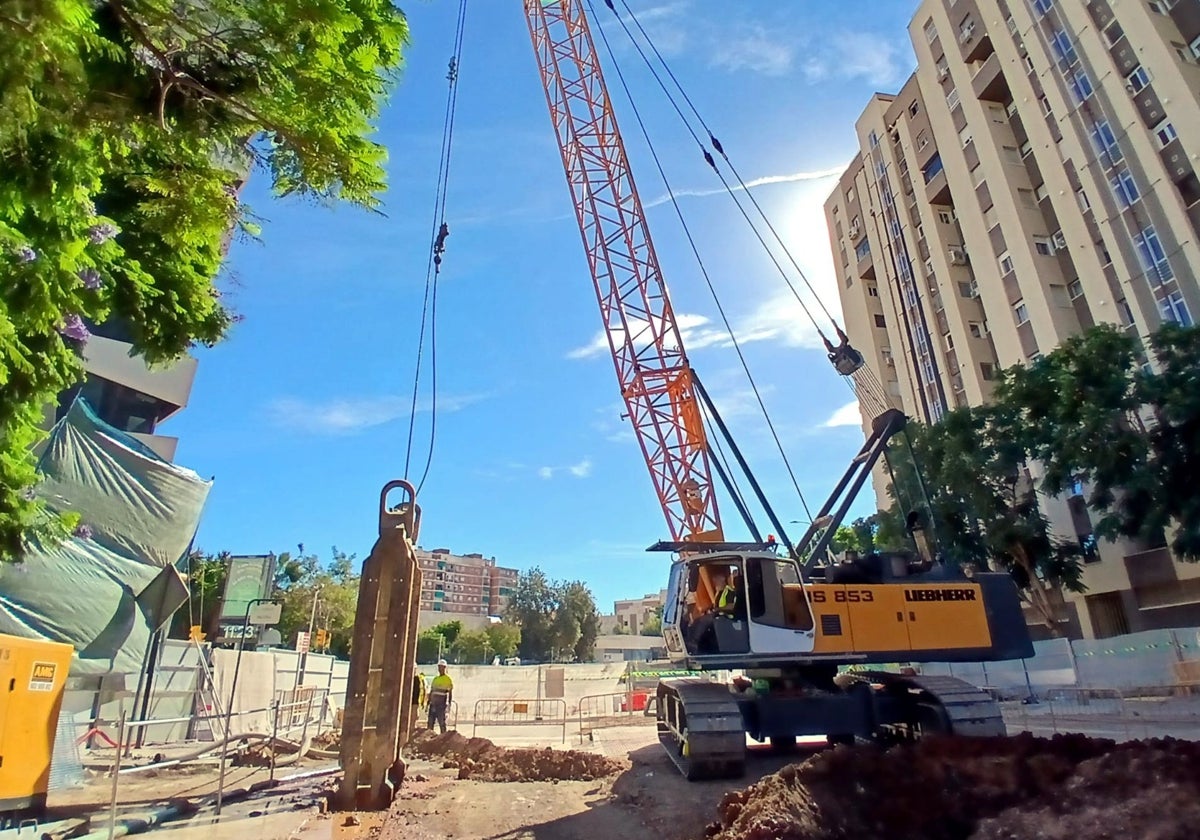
(458, 585)
(631, 616)
(628, 648)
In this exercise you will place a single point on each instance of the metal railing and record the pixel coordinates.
(1120, 714)
(597, 711)
(520, 712)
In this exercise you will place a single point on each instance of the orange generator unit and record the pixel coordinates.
(33, 674)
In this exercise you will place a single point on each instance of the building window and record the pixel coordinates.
(1124, 187)
(1059, 240)
(1082, 198)
(975, 329)
(850, 200)
(1043, 246)
(1006, 263)
(932, 168)
(952, 98)
(1113, 34)
(930, 31)
(1195, 48)
(863, 249)
(1020, 313)
(1165, 132)
(1105, 141)
(1081, 85)
(1153, 257)
(1042, 6)
(1137, 80)
(873, 291)
(987, 370)
(945, 216)
(967, 290)
(922, 140)
(1026, 149)
(1075, 289)
(914, 108)
(1045, 103)
(880, 322)
(1028, 64)
(1063, 48)
(1174, 308)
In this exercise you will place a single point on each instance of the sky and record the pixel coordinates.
(303, 414)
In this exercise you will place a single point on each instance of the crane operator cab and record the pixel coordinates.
(724, 605)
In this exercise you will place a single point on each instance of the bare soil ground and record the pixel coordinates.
(1062, 788)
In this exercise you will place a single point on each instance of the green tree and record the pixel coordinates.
(845, 538)
(1093, 413)
(558, 620)
(984, 508)
(205, 575)
(653, 625)
(504, 638)
(473, 647)
(438, 641)
(126, 128)
(304, 581)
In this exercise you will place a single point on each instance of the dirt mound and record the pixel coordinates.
(479, 758)
(1069, 786)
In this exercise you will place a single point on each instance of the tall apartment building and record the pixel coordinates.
(463, 585)
(1037, 175)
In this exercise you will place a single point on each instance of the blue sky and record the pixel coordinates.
(302, 414)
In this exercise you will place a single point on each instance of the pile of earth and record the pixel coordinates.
(479, 758)
(1063, 788)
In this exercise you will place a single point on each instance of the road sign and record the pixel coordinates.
(303, 640)
(265, 614)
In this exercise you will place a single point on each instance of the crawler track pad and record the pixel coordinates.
(700, 726)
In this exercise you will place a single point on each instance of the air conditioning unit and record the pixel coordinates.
(943, 73)
(958, 255)
(855, 229)
(1059, 240)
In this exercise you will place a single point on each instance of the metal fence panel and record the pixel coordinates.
(1146, 658)
(520, 712)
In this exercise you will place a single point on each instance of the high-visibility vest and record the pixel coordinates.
(726, 598)
(442, 684)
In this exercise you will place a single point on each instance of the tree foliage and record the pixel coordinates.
(982, 507)
(1092, 412)
(126, 127)
(302, 580)
(558, 619)
(206, 581)
(653, 625)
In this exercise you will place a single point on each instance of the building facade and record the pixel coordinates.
(631, 615)
(463, 585)
(1037, 175)
(127, 394)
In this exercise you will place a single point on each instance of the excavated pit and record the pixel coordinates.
(482, 760)
(1068, 786)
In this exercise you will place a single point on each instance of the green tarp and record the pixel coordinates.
(141, 511)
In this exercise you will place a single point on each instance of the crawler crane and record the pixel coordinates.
(802, 616)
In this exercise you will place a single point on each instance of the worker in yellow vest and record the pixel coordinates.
(441, 691)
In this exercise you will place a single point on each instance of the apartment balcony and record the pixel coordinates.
(1100, 12)
(1150, 568)
(110, 359)
(1187, 18)
(989, 83)
(1029, 344)
(1012, 289)
(1149, 106)
(866, 266)
(937, 190)
(973, 38)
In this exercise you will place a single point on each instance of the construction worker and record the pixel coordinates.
(725, 604)
(441, 691)
(418, 698)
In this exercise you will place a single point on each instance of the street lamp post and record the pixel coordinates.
(237, 665)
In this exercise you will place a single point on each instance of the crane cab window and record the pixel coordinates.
(776, 594)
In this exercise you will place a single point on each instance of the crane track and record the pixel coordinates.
(966, 709)
(700, 726)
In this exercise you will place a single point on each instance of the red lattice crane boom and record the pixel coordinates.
(643, 334)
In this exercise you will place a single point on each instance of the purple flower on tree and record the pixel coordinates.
(101, 233)
(91, 278)
(74, 329)
(26, 254)
(83, 531)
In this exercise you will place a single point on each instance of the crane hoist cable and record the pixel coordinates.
(843, 348)
(699, 261)
(439, 233)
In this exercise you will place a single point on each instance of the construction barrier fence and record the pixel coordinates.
(520, 712)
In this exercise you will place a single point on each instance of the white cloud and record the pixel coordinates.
(877, 60)
(765, 180)
(847, 415)
(579, 470)
(349, 415)
(754, 48)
